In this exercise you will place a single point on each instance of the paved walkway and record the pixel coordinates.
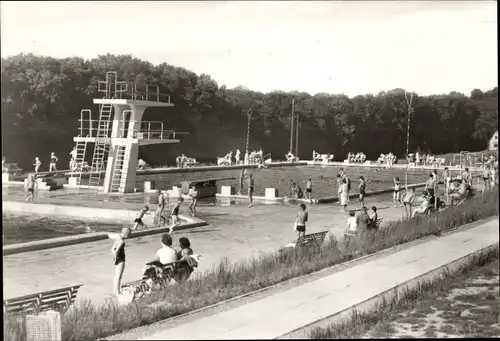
(285, 312)
(236, 232)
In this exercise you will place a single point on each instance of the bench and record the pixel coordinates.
(59, 299)
(170, 271)
(308, 239)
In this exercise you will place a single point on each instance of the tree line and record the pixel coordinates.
(42, 98)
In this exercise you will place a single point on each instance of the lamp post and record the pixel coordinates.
(409, 100)
(249, 117)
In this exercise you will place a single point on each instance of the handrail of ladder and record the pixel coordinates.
(82, 112)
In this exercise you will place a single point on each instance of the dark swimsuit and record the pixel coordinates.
(120, 254)
(176, 210)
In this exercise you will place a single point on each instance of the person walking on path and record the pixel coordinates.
(118, 251)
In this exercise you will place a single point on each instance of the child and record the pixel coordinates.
(301, 220)
(30, 187)
(175, 214)
(396, 194)
(352, 224)
(362, 190)
(138, 221)
(194, 200)
(309, 189)
(37, 164)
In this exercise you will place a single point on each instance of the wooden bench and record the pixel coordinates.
(308, 239)
(59, 299)
(170, 271)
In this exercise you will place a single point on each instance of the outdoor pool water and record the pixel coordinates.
(323, 177)
(24, 228)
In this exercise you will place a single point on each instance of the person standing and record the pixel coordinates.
(194, 200)
(118, 251)
(53, 162)
(446, 179)
(309, 189)
(31, 185)
(362, 190)
(344, 195)
(396, 195)
(175, 214)
(486, 179)
(160, 208)
(37, 164)
(408, 200)
(466, 177)
(250, 189)
(301, 220)
(237, 156)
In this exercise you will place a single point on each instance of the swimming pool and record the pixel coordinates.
(323, 177)
(26, 228)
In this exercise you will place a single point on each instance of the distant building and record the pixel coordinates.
(493, 145)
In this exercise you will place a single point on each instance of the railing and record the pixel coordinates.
(151, 94)
(151, 130)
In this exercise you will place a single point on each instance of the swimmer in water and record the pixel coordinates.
(138, 221)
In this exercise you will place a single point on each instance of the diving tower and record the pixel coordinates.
(118, 132)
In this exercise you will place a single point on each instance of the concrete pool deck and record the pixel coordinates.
(235, 232)
(291, 313)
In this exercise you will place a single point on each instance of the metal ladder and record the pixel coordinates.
(120, 169)
(81, 148)
(101, 147)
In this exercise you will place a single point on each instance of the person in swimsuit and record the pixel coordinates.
(175, 214)
(362, 190)
(309, 189)
(73, 155)
(194, 200)
(408, 200)
(250, 189)
(138, 221)
(430, 185)
(118, 251)
(53, 162)
(466, 177)
(301, 220)
(486, 179)
(446, 179)
(161, 207)
(30, 187)
(37, 164)
(396, 195)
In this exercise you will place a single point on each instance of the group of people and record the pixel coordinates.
(255, 157)
(182, 161)
(387, 159)
(356, 158)
(165, 255)
(419, 159)
(52, 163)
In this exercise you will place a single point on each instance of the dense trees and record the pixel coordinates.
(42, 98)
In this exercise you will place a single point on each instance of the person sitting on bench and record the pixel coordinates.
(460, 194)
(425, 205)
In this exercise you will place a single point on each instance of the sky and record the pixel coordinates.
(350, 47)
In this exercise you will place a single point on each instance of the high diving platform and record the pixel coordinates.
(118, 132)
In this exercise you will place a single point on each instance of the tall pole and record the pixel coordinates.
(409, 100)
(249, 117)
(291, 128)
(297, 138)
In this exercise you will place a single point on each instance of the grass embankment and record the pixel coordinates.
(88, 322)
(462, 304)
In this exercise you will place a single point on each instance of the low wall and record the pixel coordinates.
(122, 216)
